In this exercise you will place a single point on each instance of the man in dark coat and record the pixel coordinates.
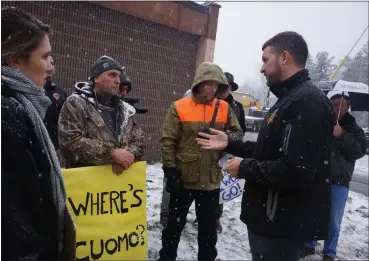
(349, 145)
(57, 96)
(236, 106)
(125, 85)
(286, 200)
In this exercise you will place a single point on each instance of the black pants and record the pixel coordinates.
(205, 202)
(268, 249)
(219, 211)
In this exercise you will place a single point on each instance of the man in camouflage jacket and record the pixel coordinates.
(193, 174)
(95, 126)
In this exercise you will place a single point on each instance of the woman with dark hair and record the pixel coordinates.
(33, 194)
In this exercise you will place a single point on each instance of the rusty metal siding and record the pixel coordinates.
(160, 60)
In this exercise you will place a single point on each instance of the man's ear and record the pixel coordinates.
(96, 79)
(285, 57)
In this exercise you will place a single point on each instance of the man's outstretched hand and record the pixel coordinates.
(217, 140)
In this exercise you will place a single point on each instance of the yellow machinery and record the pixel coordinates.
(247, 101)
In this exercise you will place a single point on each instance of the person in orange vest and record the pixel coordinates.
(193, 174)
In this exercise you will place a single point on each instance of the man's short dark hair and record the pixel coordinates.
(291, 42)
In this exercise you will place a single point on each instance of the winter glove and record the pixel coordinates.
(174, 183)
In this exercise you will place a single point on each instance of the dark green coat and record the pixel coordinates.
(346, 149)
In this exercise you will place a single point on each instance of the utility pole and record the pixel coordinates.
(344, 59)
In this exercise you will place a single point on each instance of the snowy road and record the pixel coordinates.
(360, 182)
(360, 179)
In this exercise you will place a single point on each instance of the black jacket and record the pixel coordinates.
(58, 96)
(287, 188)
(238, 111)
(346, 149)
(28, 216)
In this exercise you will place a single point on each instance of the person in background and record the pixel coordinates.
(236, 106)
(125, 86)
(188, 93)
(240, 115)
(35, 223)
(57, 96)
(191, 173)
(349, 145)
(96, 127)
(286, 200)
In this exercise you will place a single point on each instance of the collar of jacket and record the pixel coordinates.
(230, 100)
(115, 101)
(347, 119)
(279, 89)
(201, 99)
(49, 85)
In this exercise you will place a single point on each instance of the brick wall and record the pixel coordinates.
(160, 60)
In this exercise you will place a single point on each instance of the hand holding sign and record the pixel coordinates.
(230, 187)
(122, 157)
(117, 168)
(233, 166)
(109, 212)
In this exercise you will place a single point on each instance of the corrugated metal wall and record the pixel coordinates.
(160, 60)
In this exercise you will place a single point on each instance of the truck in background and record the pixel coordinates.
(254, 113)
(255, 118)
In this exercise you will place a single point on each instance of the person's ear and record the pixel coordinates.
(284, 57)
(16, 63)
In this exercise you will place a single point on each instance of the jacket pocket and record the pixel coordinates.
(215, 175)
(189, 166)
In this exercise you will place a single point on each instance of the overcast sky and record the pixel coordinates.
(243, 27)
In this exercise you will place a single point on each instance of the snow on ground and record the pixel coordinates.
(233, 241)
(354, 239)
(362, 164)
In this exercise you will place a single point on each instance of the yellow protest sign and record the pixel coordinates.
(109, 212)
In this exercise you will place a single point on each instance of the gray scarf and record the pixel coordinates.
(35, 104)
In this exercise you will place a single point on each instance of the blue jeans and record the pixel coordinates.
(339, 196)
